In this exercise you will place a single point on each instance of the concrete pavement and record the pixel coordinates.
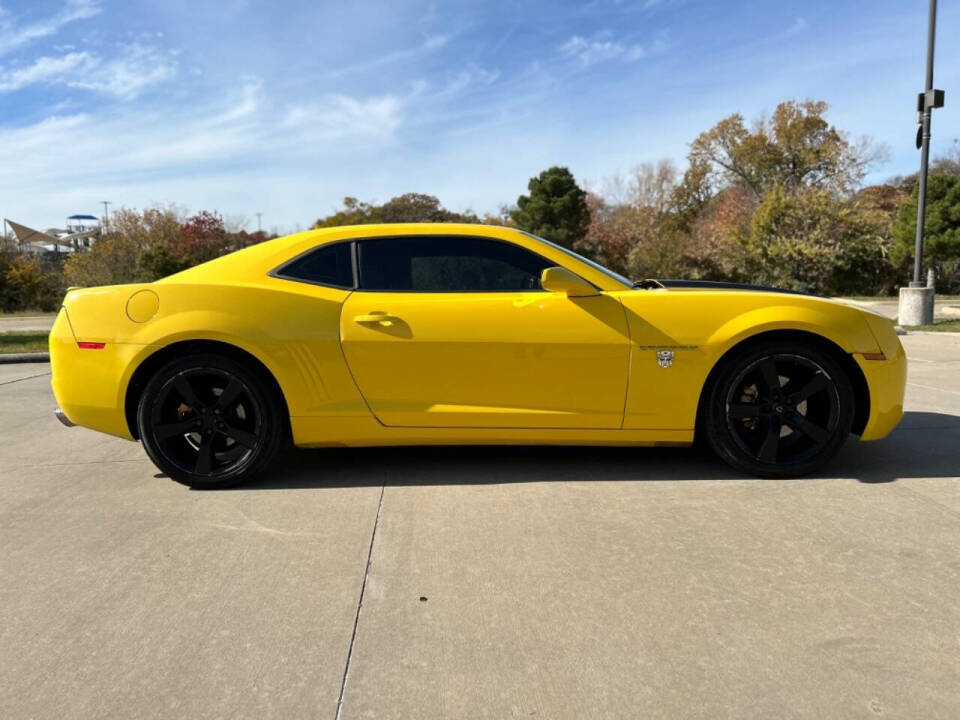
(942, 309)
(502, 582)
(23, 323)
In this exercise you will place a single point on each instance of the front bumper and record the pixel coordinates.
(887, 383)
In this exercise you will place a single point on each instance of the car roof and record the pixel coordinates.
(255, 262)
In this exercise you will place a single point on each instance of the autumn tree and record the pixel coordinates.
(406, 208)
(417, 207)
(500, 217)
(202, 237)
(814, 241)
(22, 284)
(111, 261)
(149, 227)
(719, 246)
(691, 195)
(610, 233)
(633, 228)
(147, 245)
(150, 235)
(555, 209)
(158, 261)
(353, 212)
(794, 148)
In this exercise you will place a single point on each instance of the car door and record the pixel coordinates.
(454, 331)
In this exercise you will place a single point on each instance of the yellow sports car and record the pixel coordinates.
(463, 334)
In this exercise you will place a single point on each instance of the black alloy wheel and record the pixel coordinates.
(208, 422)
(779, 409)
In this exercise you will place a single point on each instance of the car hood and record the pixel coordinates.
(745, 287)
(719, 285)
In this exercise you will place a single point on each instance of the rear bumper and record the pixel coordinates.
(90, 385)
(887, 382)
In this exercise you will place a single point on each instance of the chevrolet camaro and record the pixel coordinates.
(463, 334)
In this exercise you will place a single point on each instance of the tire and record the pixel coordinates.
(209, 421)
(779, 409)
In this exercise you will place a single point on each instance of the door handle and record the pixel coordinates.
(381, 318)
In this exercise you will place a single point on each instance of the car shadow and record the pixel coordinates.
(923, 445)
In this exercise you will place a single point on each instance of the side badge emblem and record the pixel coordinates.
(665, 358)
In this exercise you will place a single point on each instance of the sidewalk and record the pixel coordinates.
(20, 323)
(942, 310)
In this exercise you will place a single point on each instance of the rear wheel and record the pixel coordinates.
(779, 409)
(208, 421)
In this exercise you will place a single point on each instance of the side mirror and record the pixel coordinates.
(561, 280)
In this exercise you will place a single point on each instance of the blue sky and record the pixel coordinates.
(285, 106)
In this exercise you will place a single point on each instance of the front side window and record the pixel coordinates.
(448, 264)
(327, 265)
(587, 261)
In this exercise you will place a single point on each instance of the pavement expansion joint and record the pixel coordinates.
(30, 377)
(356, 619)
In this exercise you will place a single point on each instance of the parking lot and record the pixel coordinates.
(482, 583)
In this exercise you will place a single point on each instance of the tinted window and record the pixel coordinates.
(327, 265)
(448, 264)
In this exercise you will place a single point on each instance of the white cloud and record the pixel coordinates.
(340, 116)
(44, 131)
(13, 36)
(434, 42)
(251, 97)
(430, 44)
(46, 70)
(130, 144)
(473, 76)
(600, 49)
(125, 77)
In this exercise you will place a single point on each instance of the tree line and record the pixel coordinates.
(136, 246)
(779, 202)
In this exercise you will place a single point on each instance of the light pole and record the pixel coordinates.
(259, 229)
(916, 301)
(106, 212)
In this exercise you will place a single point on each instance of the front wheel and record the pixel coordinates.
(208, 421)
(779, 409)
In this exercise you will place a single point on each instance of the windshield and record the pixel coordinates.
(595, 265)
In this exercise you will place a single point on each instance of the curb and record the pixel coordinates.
(34, 357)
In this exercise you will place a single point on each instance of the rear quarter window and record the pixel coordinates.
(327, 265)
